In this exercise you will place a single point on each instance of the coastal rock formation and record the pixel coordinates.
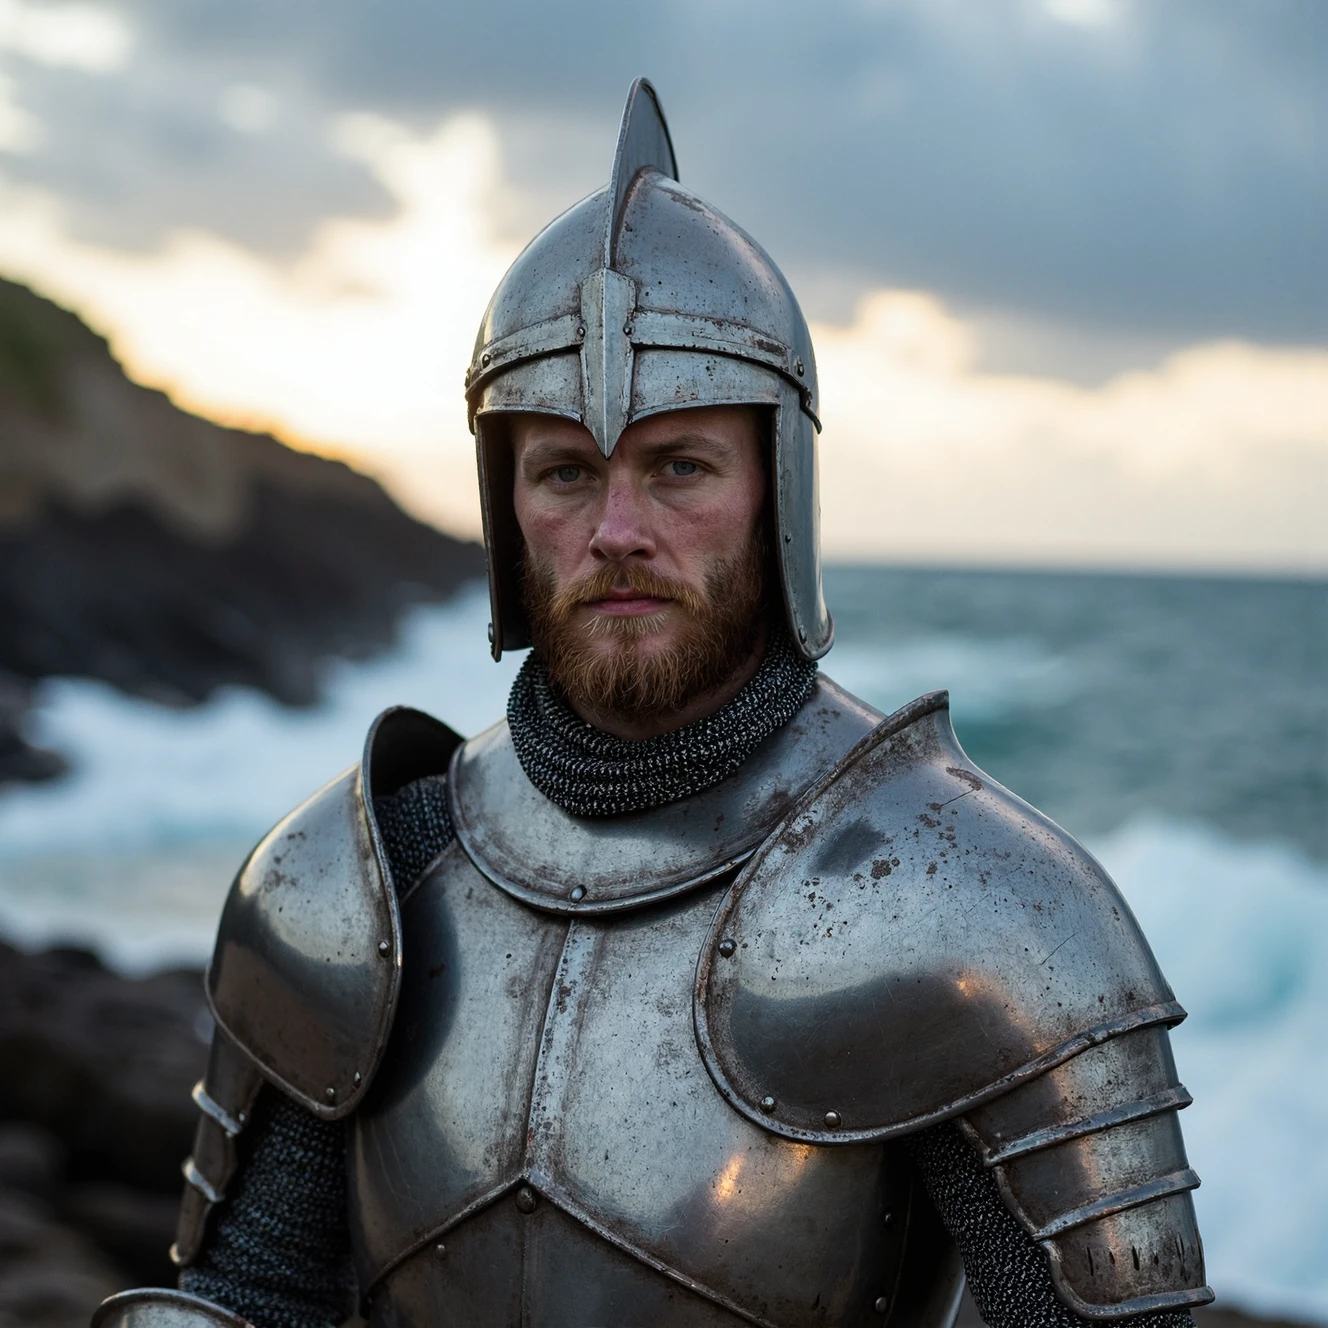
(169, 556)
(95, 1117)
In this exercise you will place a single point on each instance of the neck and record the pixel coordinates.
(637, 728)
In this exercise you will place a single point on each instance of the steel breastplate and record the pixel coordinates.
(544, 1145)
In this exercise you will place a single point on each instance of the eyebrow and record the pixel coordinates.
(541, 453)
(693, 442)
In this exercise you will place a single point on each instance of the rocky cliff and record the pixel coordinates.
(167, 555)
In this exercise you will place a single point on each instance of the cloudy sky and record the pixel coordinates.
(1064, 259)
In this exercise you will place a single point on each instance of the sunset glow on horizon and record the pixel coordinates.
(1215, 456)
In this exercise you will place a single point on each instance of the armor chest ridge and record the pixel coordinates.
(547, 1069)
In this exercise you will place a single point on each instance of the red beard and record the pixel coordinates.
(610, 665)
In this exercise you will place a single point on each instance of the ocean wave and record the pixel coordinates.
(149, 777)
(987, 678)
(1241, 931)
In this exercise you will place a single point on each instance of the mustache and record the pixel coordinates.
(643, 581)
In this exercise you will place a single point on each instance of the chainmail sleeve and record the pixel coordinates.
(1008, 1274)
(278, 1252)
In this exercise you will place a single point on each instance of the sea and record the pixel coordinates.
(1178, 725)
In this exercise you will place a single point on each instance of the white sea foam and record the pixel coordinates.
(985, 677)
(132, 856)
(1241, 931)
(146, 777)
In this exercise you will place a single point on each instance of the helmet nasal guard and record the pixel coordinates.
(642, 299)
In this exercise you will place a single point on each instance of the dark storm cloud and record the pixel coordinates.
(139, 153)
(1163, 172)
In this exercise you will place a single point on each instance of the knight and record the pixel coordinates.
(695, 991)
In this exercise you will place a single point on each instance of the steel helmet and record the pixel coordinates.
(641, 299)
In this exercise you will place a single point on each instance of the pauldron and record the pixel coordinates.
(916, 944)
(304, 979)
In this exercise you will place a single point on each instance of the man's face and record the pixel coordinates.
(644, 573)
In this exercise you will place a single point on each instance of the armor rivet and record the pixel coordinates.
(484, 359)
(727, 946)
(491, 634)
(788, 539)
(832, 1120)
(525, 1199)
(578, 894)
(440, 1250)
(767, 1105)
(359, 1078)
(581, 332)
(882, 1304)
(798, 368)
(331, 1095)
(627, 329)
(384, 947)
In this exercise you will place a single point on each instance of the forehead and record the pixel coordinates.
(719, 426)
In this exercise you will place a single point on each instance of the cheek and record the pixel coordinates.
(554, 538)
(721, 528)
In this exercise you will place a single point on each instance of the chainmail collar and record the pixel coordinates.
(588, 772)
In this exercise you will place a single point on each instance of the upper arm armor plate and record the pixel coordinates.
(1089, 1157)
(914, 944)
(307, 964)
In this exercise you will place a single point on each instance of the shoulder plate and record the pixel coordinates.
(542, 855)
(913, 941)
(307, 964)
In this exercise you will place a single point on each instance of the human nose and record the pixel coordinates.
(623, 530)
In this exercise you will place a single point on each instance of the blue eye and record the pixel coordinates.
(567, 474)
(684, 467)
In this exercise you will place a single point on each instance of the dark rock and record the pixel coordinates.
(19, 759)
(157, 551)
(32, 1160)
(95, 1073)
(134, 1227)
(117, 597)
(103, 1062)
(50, 1276)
